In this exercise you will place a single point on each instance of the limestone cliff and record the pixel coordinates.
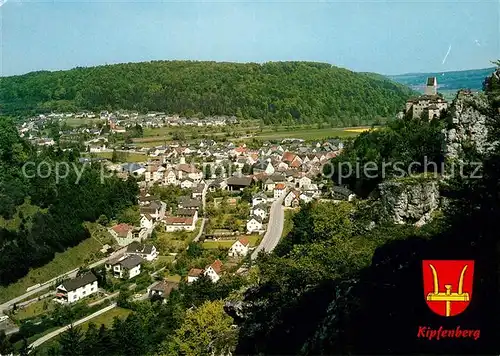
(467, 127)
(410, 200)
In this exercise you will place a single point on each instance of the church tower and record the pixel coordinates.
(431, 87)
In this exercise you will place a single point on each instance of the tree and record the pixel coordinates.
(194, 250)
(25, 349)
(206, 331)
(5, 346)
(247, 169)
(70, 342)
(103, 220)
(130, 216)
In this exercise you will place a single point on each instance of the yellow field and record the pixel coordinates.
(358, 130)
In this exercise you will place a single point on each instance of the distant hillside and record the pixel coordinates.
(447, 81)
(277, 92)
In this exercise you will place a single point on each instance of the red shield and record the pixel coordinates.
(448, 285)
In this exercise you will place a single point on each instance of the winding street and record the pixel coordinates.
(274, 228)
(53, 334)
(203, 204)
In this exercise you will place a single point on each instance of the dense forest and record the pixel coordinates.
(58, 207)
(276, 92)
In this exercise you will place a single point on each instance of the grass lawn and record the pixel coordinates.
(106, 318)
(26, 209)
(130, 157)
(173, 278)
(100, 233)
(253, 239)
(34, 309)
(161, 262)
(217, 244)
(288, 223)
(66, 261)
(178, 241)
(165, 259)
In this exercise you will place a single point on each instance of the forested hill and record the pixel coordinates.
(277, 92)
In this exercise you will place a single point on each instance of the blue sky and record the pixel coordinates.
(388, 37)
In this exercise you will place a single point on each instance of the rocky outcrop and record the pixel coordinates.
(236, 309)
(467, 126)
(411, 200)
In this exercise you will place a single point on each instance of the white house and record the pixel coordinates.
(178, 223)
(254, 224)
(154, 173)
(169, 177)
(304, 181)
(190, 171)
(259, 199)
(279, 190)
(187, 183)
(214, 271)
(125, 234)
(73, 290)
(147, 252)
(260, 210)
(239, 248)
(188, 213)
(292, 199)
(125, 266)
(147, 221)
(194, 274)
(306, 197)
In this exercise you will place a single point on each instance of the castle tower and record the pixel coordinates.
(431, 87)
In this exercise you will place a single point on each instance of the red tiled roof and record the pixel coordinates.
(279, 186)
(195, 272)
(217, 266)
(122, 229)
(244, 241)
(288, 157)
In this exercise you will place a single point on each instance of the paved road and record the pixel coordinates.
(76, 323)
(46, 285)
(274, 228)
(203, 204)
